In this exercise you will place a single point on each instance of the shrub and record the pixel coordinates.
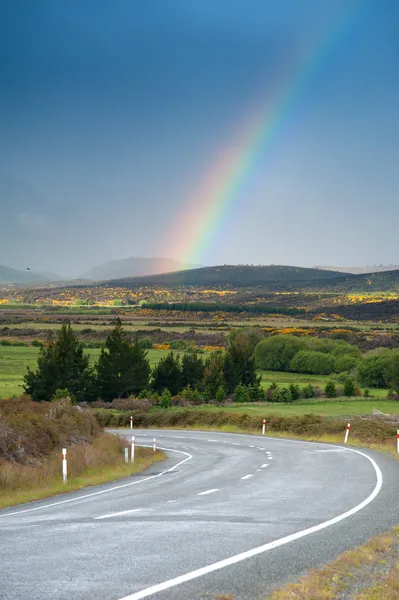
(311, 361)
(308, 391)
(64, 394)
(295, 391)
(166, 399)
(220, 394)
(281, 395)
(240, 393)
(349, 388)
(330, 389)
(275, 353)
(37, 343)
(366, 393)
(146, 343)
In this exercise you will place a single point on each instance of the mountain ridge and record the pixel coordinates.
(134, 266)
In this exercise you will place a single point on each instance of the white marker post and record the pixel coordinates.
(348, 428)
(132, 451)
(154, 444)
(263, 426)
(126, 455)
(397, 440)
(64, 466)
(131, 422)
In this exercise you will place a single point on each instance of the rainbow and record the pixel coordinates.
(221, 188)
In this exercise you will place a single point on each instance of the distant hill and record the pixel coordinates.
(236, 276)
(12, 276)
(268, 278)
(360, 270)
(134, 267)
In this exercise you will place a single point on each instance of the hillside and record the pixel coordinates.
(234, 276)
(133, 267)
(359, 270)
(269, 278)
(8, 275)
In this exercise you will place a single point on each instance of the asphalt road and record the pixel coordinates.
(226, 514)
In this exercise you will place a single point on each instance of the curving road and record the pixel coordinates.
(226, 514)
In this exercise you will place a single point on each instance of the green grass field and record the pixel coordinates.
(339, 407)
(284, 380)
(15, 360)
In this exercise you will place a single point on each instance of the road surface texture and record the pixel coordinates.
(226, 514)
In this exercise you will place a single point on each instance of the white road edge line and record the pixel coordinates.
(107, 491)
(208, 492)
(232, 560)
(117, 514)
(247, 476)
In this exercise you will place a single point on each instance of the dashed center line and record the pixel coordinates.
(263, 466)
(117, 514)
(208, 492)
(235, 444)
(247, 476)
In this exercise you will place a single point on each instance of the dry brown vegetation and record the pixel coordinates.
(308, 425)
(31, 437)
(370, 572)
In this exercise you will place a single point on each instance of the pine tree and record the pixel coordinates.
(330, 390)
(213, 374)
(62, 364)
(167, 374)
(192, 371)
(166, 399)
(122, 368)
(239, 364)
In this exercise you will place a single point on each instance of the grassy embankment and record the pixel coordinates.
(31, 439)
(370, 572)
(374, 434)
(15, 359)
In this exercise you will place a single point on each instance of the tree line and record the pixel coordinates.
(231, 308)
(123, 369)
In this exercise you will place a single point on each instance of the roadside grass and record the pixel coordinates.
(337, 407)
(370, 572)
(88, 465)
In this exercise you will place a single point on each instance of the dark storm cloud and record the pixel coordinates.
(111, 113)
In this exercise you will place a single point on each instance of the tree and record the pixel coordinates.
(275, 353)
(311, 361)
(380, 370)
(308, 391)
(281, 395)
(295, 391)
(220, 394)
(122, 368)
(391, 370)
(213, 374)
(239, 365)
(192, 370)
(167, 374)
(62, 364)
(349, 388)
(240, 393)
(330, 390)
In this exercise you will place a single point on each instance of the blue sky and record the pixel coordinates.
(112, 113)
